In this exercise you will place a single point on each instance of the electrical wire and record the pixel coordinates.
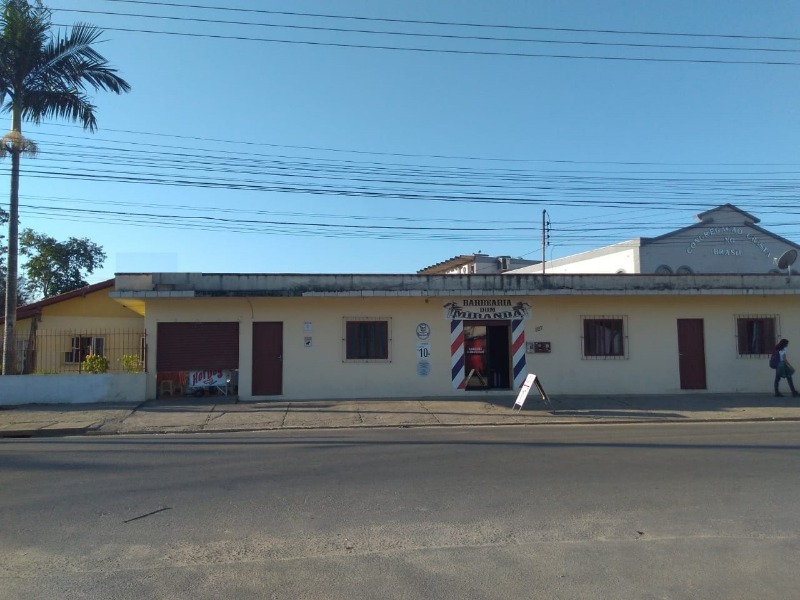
(451, 51)
(440, 36)
(454, 24)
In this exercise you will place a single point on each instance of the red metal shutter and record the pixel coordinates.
(197, 346)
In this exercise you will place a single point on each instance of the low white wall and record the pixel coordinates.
(72, 389)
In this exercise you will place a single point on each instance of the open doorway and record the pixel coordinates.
(487, 355)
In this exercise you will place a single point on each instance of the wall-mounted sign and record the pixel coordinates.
(423, 368)
(307, 327)
(423, 350)
(423, 331)
(486, 309)
(307, 342)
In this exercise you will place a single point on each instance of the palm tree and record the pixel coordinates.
(42, 75)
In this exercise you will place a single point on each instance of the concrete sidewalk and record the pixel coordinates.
(225, 415)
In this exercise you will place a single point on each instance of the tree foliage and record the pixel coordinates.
(54, 267)
(42, 75)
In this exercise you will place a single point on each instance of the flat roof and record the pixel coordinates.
(196, 285)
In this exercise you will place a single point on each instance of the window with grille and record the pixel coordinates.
(756, 334)
(367, 339)
(604, 337)
(83, 346)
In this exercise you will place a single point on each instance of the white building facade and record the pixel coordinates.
(725, 240)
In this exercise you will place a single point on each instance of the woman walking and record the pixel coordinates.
(784, 369)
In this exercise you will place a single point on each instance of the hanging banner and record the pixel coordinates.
(486, 309)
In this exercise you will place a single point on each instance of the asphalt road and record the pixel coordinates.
(625, 512)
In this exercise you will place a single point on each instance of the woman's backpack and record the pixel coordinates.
(774, 359)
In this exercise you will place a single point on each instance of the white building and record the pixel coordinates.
(726, 240)
(476, 264)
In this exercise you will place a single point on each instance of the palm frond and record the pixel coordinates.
(24, 32)
(71, 105)
(72, 59)
(47, 75)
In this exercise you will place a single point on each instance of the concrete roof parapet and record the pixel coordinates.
(292, 285)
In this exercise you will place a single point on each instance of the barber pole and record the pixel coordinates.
(457, 354)
(518, 352)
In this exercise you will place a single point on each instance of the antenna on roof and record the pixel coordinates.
(786, 260)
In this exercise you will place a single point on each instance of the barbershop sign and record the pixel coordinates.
(486, 309)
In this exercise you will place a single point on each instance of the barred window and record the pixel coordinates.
(604, 337)
(82, 346)
(367, 339)
(756, 334)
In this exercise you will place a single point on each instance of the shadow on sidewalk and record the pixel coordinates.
(618, 414)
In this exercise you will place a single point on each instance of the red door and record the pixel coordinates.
(267, 359)
(691, 354)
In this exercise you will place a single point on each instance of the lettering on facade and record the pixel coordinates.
(486, 309)
(725, 235)
(761, 245)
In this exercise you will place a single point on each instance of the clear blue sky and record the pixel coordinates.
(247, 155)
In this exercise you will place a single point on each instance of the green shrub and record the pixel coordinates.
(94, 363)
(131, 363)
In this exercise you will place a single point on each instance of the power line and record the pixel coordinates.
(239, 225)
(169, 166)
(398, 154)
(461, 24)
(452, 51)
(442, 36)
(402, 182)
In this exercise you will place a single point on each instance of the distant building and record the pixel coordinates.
(726, 240)
(476, 264)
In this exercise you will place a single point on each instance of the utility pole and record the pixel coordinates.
(545, 225)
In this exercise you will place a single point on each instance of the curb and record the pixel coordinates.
(40, 432)
(90, 431)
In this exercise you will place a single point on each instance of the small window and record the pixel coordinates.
(664, 270)
(604, 337)
(684, 270)
(756, 334)
(82, 346)
(367, 339)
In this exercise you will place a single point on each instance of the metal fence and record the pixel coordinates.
(46, 351)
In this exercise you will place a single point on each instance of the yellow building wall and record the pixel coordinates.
(651, 365)
(95, 304)
(652, 338)
(94, 314)
(319, 371)
(94, 310)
